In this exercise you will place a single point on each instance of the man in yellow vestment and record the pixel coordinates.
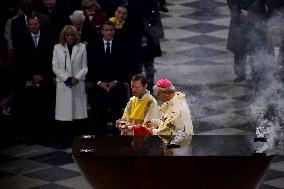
(142, 106)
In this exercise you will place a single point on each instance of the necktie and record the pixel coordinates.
(35, 40)
(108, 49)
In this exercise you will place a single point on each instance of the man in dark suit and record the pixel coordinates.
(108, 70)
(37, 101)
(20, 24)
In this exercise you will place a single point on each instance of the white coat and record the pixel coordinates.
(71, 103)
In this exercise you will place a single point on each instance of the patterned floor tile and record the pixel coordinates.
(177, 22)
(22, 166)
(77, 182)
(225, 131)
(50, 186)
(20, 182)
(277, 159)
(169, 59)
(225, 21)
(202, 39)
(178, 10)
(222, 33)
(178, 34)
(227, 119)
(246, 98)
(53, 174)
(163, 15)
(203, 113)
(24, 150)
(200, 62)
(279, 166)
(224, 10)
(245, 112)
(200, 127)
(54, 158)
(248, 127)
(205, 4)
(201, 52)
(194, 74)
(169, 3)
(230, 90)
(264, 186)
(204, 15)
(175, 46)
(276, 182)
(228, 106)
(203, 27)
(204, 97)
(70, 166)
(272, 175)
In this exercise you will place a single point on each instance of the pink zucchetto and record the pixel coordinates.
(164, 85)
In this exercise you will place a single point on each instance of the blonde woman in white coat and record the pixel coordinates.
(69, 65)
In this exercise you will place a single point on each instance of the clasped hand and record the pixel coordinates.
(108, 86)
(70, 82)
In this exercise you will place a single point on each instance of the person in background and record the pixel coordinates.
(36, 56)
(94, 19)
(120, 16)
(120, 22)
(175, 114)
(69, 65)
(142, 106)
(108, 71)
(8, 36)
(148, 52)
(57, 16)
(77, 18)
(144, 27)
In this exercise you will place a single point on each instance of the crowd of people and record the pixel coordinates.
(64, 61)
(68, 57)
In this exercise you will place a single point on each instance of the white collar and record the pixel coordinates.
(38, 34)
(110, 41)
(144, 95)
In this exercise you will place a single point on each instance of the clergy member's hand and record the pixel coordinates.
(112, 85)
(147, 124)
(37, 79)
(104, 85)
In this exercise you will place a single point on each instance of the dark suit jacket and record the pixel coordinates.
(104, 68)
(20, 30)
(244, 35)
(36, 60)
(35, 103)
(107, 69)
